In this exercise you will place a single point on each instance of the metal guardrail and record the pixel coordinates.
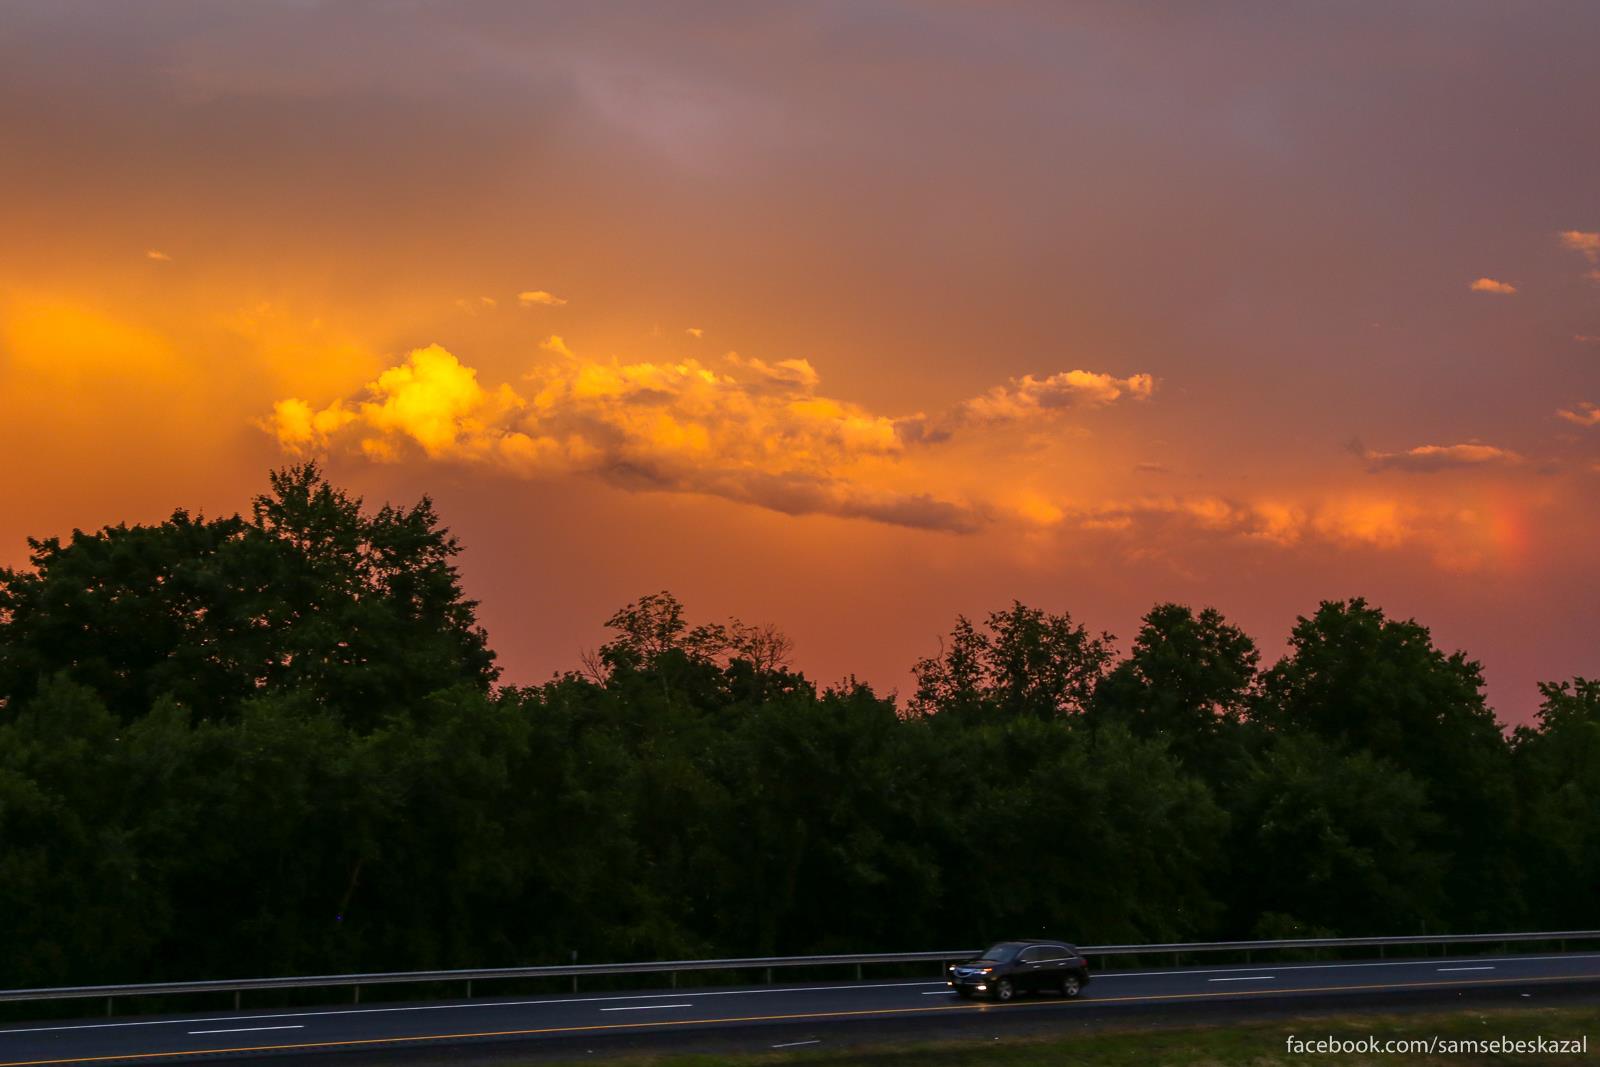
(759, 963)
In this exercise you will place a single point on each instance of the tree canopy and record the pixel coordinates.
(276, 743)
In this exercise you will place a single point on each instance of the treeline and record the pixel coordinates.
(276, 744)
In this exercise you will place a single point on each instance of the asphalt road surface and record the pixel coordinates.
(780, 1006)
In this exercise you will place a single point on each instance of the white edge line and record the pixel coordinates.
(1246, 978)
(1441, 970)
(797, 1044)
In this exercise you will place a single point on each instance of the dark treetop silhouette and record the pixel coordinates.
(274, 744)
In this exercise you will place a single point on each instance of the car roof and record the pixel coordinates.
(1029, 942)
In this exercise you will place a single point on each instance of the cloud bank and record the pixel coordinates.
(1585, 413)
(1430, 459)
(751, 431)
(539, 298)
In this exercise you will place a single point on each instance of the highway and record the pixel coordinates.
(779, 1006)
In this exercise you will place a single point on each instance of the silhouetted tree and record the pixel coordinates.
(1187, 679)
(361, 612)
(1558, 776)
(1023, 662)
(1364, 683)
(273, 744)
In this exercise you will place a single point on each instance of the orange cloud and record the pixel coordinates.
(536, 297)
(1579, 241)
(764, 434)
(786, 373)
(1428, 459)
(431, 400)
(1589, 245)
(1586, 413)
(749, 430)
(1490, 285)
(1028, 397)
(1159, 526)
(759, 436)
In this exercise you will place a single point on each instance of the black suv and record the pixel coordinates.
(1013, 967)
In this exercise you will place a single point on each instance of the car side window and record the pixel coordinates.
(1032, 955)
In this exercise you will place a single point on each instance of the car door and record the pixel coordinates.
(1029, 967)
(1056, 963)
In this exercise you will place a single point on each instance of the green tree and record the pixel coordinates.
(310, 593)
(1558, 776)
(1366, 683)
(1188, 679)
(1023, 662)
(1333, 840)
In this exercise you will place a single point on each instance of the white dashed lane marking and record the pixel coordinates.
(247, 1029)
(648, 1007)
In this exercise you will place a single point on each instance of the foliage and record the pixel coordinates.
(1022, 662)
(272, 744)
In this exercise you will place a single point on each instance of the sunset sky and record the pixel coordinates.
(847, 317)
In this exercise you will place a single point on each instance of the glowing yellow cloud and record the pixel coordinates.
(755, 432)
(761, 433)
(1490, 285)
(537, 297)
(431, 400)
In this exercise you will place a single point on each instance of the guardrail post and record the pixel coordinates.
(358, 993)
(469, 989)
(674, 977)
(858, 972)
(108, 1005)
(769, 975)
(236, 996)
(574, 983)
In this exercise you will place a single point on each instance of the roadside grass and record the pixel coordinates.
(1249, 1044)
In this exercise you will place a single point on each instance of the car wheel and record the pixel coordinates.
(1004, 990)
(1071, 985)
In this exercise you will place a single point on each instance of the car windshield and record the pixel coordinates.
(1004, 952)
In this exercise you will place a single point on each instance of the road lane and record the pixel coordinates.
(177, 1038)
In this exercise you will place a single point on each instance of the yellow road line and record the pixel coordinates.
(351, 1042)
